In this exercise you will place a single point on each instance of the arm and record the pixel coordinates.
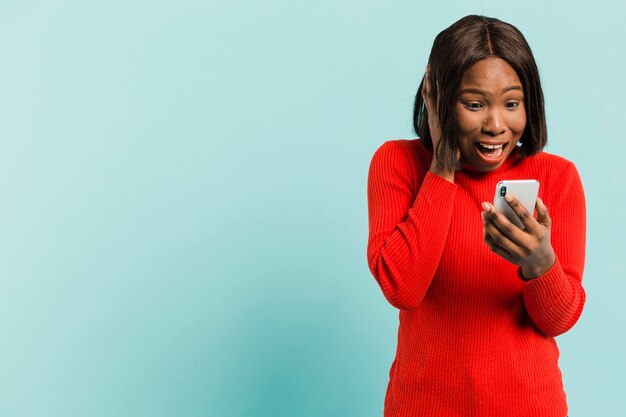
(550, 252)
(407, 232)
(555, 299)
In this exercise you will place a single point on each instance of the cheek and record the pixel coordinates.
(517, 124)
(468, 122)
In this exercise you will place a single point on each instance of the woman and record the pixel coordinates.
(480, 299)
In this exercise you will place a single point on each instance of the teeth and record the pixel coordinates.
(491, 146)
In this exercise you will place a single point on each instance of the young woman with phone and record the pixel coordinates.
(481, 300)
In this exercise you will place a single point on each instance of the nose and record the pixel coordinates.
(494, 123)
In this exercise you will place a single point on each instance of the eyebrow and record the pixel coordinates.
(484, 93)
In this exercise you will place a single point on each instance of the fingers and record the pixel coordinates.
(430, 99)
(496, 248)
(428, 93)
(425, 86)
(527, 219)
(528, 248)
(542, 214)
(503, 225)
(501, 238)
(427, 89)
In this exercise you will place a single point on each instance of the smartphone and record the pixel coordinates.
(525, 191)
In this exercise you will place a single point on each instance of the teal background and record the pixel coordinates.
(184, 220)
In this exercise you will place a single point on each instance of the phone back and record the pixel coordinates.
(525, 191)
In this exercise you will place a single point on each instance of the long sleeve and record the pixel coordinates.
(460, 303)
(555, 300)
(407, 232)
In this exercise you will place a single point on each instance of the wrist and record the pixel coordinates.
(437, 169)
(533, 272)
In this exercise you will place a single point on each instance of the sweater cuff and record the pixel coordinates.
(549, 295)
(552, 280)
(551, 301)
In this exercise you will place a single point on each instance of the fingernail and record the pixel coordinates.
(508, 197)
(486, 207)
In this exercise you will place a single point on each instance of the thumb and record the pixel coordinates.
(542, 214)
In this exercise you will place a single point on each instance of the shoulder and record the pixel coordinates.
(411, 153)
(557, 175)
(401, 162)
(550, 158)
(549, 165)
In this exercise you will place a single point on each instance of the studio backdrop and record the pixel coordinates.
(184, 215)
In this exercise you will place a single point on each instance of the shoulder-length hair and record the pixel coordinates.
(455, 50)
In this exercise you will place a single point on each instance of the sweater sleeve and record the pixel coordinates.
(555, 300)
(407, 232)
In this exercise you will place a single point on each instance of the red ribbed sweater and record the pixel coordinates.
(474, 338)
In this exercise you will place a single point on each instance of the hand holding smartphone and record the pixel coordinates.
(526, 192)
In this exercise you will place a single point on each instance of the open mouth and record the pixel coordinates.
(490, 152)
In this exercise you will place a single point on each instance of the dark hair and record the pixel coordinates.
(469, 40)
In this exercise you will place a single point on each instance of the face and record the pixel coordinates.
(490, 112)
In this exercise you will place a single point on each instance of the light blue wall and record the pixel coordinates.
(183, 221)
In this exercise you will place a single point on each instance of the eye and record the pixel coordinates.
(512, 105)
(473, 105)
